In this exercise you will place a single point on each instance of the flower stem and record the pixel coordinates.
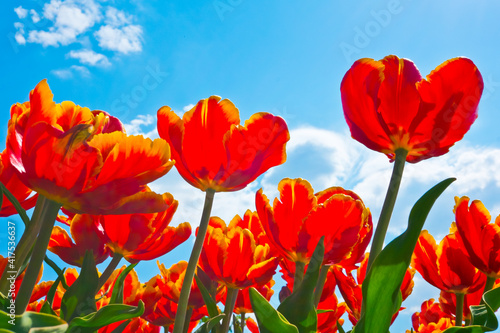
(231, 296)
(460, 309)
(299, 274)
(48, 218)
(321, 283)
(187, 320)
(109, 270)
(25, 244)
(243, 322)
(193, 263)
(388, 207)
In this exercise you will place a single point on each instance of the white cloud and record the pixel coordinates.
(74, 21)
(117, 18)
(34, 16)
(70, 18)
(188, 107)
(89, 57)
(19, 36)
(82, 70)
(21, 12)
(63, 74)
(68, 73)
(135, 125)
(124, 40)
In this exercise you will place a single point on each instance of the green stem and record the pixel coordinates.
(243, 322)
(193, 263)
(388, 207)
(187, 320)
(109, 270)
(460, 309)
(321, 283)
(26, 242)
(231, 296)
(299, 274)
(48, 218)
(490, 282)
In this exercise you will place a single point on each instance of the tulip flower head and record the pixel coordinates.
(389, 106)
(213, 151)
(480, 238)
(431, 319)
(446, 266)
(299, 218)
(231, 256)
(76, 157)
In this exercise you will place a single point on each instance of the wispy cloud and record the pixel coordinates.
(21, 12)
(19, 36)
(89, 57)
(64, 74)
(124, 40)
(66, 22)
(69, 73)
(70, 19)
(35, 17)
(135, 126)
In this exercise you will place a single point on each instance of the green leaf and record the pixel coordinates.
(107, 315)
(31, 322)
(212, 308)
(299, 307)
(4, 302)
(483, 316)
(47, 308)
(117, 295)
(210, 323)
(381, 288)
(20, 210)
(53, 288)
(79, 299)
(268, 318)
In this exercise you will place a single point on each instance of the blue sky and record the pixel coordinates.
(285, 57)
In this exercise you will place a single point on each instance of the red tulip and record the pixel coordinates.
(388, 105)
(76, 157)
(327, 321)
(87, 234)
(145, 236)
(299, 218)
(213, 151)
(446, 266)
(480, 238)
(431, 319)
(134, 236)
(170, 283)
(231, 256)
